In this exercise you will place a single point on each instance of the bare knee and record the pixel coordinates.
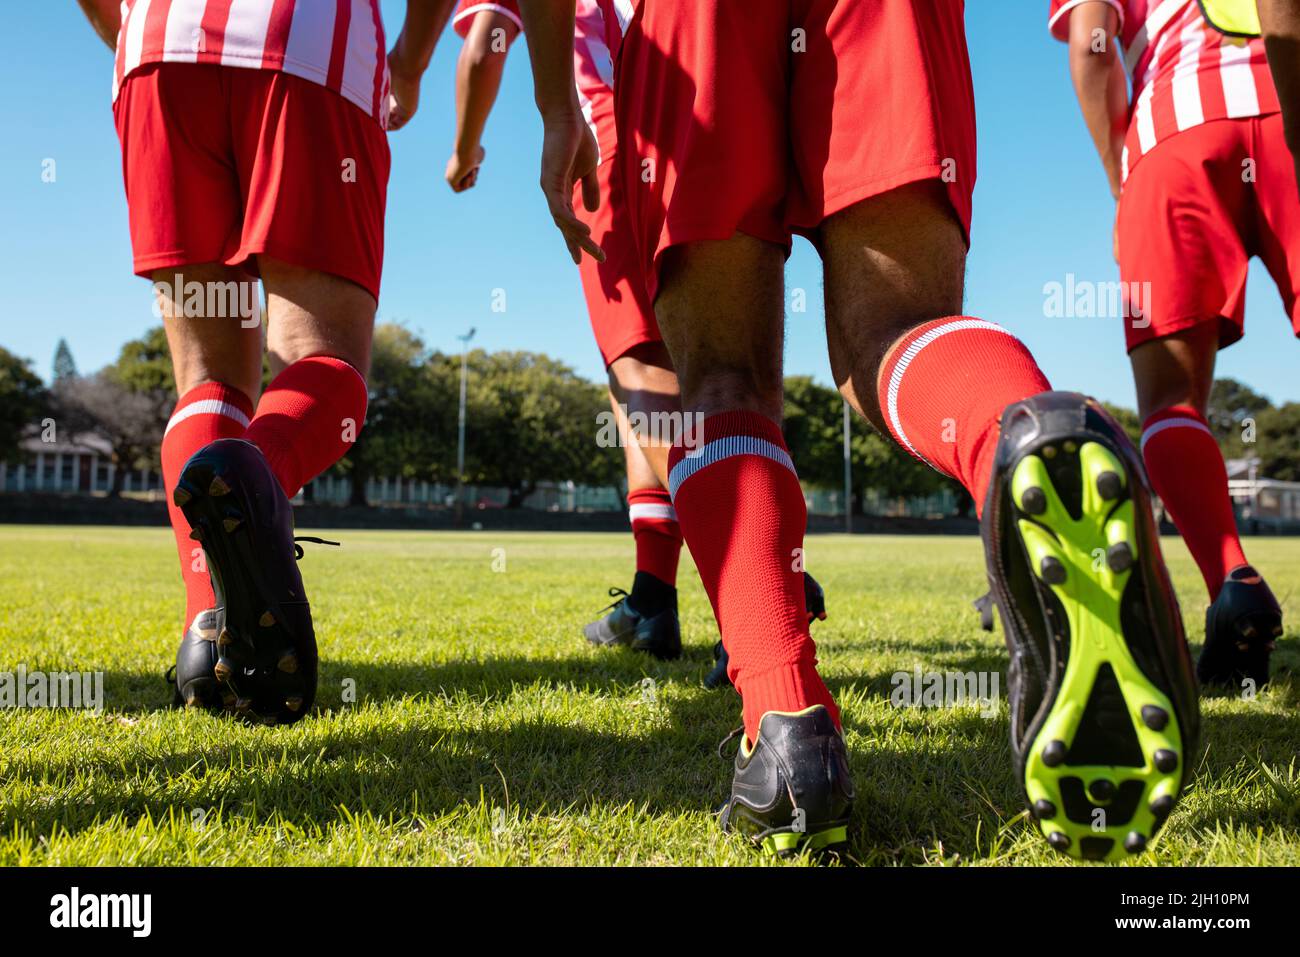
(893, 262)
(645, 368)
(721, 313)
(313, 313)
(212, 318)
(1175, 370)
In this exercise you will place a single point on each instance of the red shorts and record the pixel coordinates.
(620, 311)
(222, 164)
(1190, 220)
(766, 118)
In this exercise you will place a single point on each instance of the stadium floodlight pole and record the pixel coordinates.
(848, 470)
(460, 423)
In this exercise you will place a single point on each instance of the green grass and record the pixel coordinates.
(484, 730)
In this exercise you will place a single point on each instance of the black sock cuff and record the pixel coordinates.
(651, 595)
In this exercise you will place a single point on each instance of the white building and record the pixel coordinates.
(1261, 504)
(77, 465)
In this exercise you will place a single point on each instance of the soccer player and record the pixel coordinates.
(253, 146)
(1198, 162)
(641, 377)
(853, 124)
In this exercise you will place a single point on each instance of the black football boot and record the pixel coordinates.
(265, 645)
(656, 631)
(1104, 719)
(196, 660)
(792, 790)
(1241, 628)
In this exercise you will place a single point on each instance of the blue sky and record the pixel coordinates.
(1042, 211)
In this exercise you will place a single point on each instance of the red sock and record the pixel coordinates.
(657, 534)
(743, 514)
(943, 391)
(204, 414)
(308, 418)
(1187, 472)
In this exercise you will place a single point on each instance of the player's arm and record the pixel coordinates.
(1280, 21)
(478, 80)
(1100, 83)
(411, 54)
(106, 17)
(568, 149)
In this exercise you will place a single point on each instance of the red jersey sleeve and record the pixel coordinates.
(467, 10)
(1058, 16)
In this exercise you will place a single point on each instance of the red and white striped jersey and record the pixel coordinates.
(1184, 72)
(336, 43)
(598, 28)
(598, 31)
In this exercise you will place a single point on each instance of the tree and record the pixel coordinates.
(23, 402)
(1128, 421)
(531, 419)
(814, 433)
(144, 365)
(1278, 442)
(64, 366)
(1230, 404)
(131, 422)
(126, 403)
(406, 429)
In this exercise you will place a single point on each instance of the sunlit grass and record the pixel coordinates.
(463, 720)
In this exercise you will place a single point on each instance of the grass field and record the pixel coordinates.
(463, 720)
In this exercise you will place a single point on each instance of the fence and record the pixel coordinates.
(389, 491)
(1266, 505)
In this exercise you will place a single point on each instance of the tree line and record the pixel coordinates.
(530, 419)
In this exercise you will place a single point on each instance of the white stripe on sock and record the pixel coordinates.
(651, 510)
(905, 360)
(208, 407)
(1151, 431)
(725, 448)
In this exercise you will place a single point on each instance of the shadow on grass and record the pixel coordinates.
(925, 787)
(318, 774)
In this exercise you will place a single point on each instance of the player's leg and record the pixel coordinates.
(642, 380)
(1173, 376)
(237, 492)
(1195, 270)
(705, 204)
(184, 206)
(1056, 480)
(313, 170)
(1057, 483)
(319, 329)
(742, 510)
(217, 363)
(642, 384)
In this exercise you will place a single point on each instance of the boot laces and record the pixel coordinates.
(619, 596)
(298, 550)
